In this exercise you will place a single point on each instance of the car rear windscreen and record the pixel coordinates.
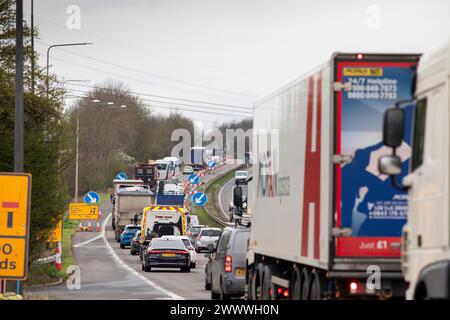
(167, 244)
(211, 233)
(186, 242)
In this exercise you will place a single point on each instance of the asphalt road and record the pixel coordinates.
(108, 272)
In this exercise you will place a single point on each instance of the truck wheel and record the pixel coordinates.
(251, 283)
(258, 281)
(317, 286)
(305, 284)
(296, 284)
(266, 284)
(193, 265)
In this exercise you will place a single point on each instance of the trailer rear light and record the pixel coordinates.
(280, 290)
(228, 264)
(359, 56)
(286, 293)
(353, 287)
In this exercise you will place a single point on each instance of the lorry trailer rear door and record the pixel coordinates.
(369, 211)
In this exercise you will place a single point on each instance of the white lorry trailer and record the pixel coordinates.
(426, 235)
(325, 222)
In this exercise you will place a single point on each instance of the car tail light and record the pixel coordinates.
(155, 251)
(353, 287)
(228, 264)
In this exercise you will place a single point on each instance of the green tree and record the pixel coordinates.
(46, 145)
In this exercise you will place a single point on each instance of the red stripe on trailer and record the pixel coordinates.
(311, 182)
(318, 159)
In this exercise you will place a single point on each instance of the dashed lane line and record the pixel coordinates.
(171, 294)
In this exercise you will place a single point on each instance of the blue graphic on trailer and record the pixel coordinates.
(371, 205)
(92, 197)
(121, 176)
(211, 163)
(194, 179)
(199, 199)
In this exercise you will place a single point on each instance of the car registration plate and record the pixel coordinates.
(239, 272)
(168, 254)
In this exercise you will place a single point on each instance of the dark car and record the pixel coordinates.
(126, 237)
(225, 272)
(166, 253)
(135, 245)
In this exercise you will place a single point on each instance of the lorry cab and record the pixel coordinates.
(426, 235)
(164, 169)
(426, 255)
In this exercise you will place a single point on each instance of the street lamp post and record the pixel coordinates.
(60, 45)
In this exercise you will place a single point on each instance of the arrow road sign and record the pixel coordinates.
(211, 163)
(92, 197)
(121, 176)
(193, 179)
(199, 199)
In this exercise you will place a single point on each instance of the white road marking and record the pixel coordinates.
(172, 295)
(88, 241)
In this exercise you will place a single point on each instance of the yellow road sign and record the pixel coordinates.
(83, 211)
(57, 233)
(15, 194)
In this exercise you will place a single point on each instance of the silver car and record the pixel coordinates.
(225, 271)
(205, 237)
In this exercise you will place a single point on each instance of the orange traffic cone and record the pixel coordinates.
(80, 226)
(58, 263)
(89, 228)
(97, 229)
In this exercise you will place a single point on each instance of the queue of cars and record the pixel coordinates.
(225, 250)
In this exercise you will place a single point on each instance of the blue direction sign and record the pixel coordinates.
(211, 163)
(92, 197)
(199, 199)
(194, 179)
(121, 176)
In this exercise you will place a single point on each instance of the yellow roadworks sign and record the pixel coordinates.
(57, 233)
(15, 200)
(83, 211)
(367, 72)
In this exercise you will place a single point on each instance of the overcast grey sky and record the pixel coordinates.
(245, 48)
